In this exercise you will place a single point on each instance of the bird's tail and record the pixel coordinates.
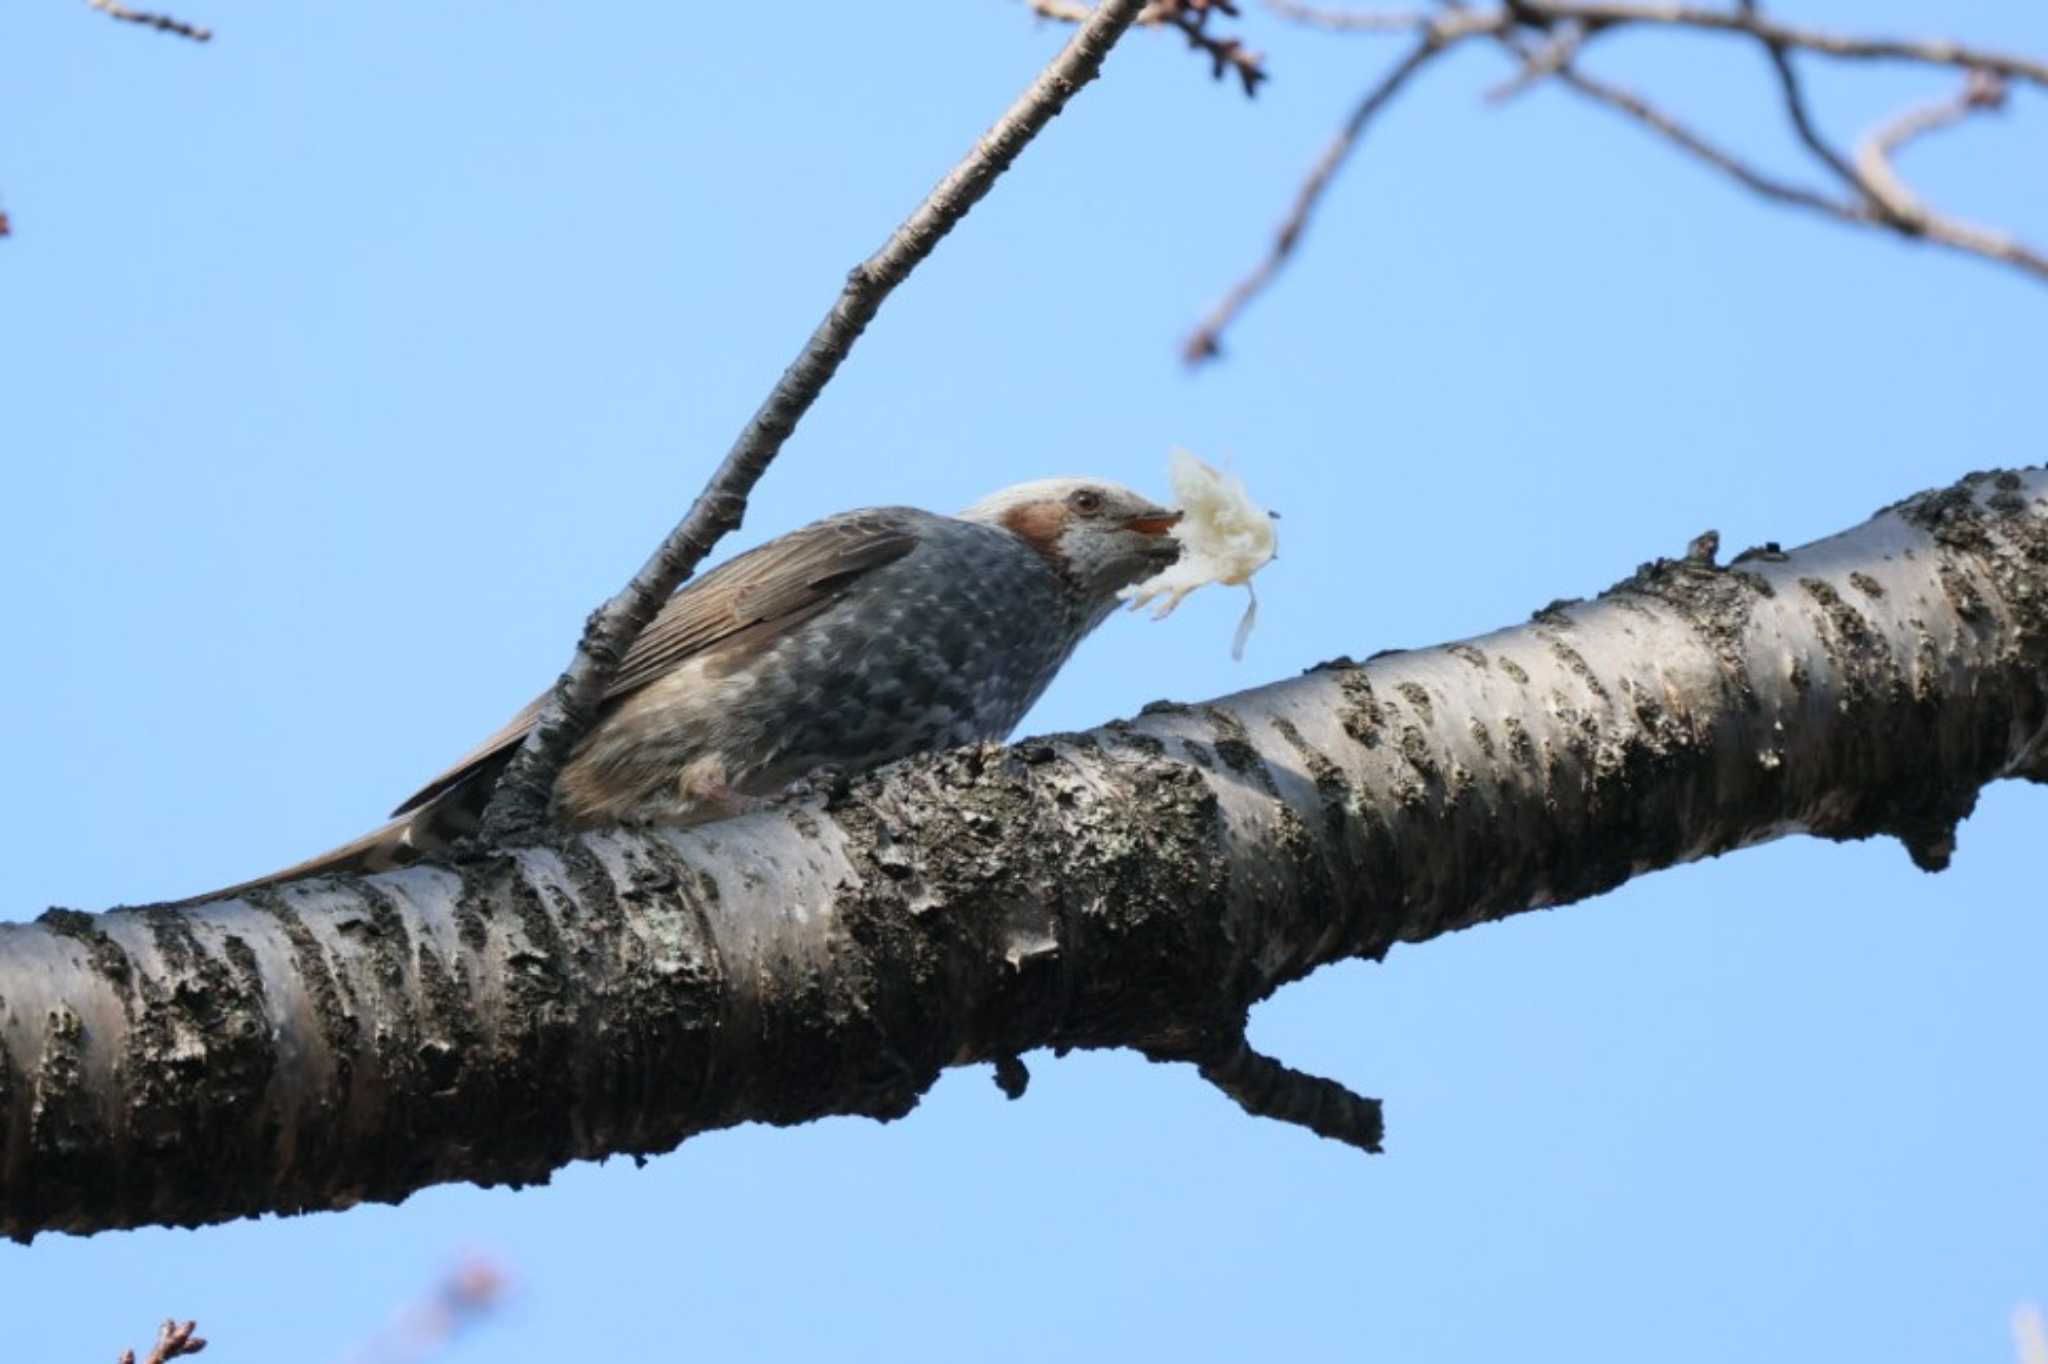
(422, 832)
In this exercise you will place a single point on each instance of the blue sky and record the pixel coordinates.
(349, 360)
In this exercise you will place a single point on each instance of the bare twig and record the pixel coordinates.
(1650, 116)
(1204, 342)
(172, 1342)
(1350, 20)
(162, 23)
(1265, 1088)
(1801, 117)
(1542, 62)
(1982, 91)
(1190, 18)
(1873, 157)
(521, 799)
(1597, 14)
(1547, 36)
(1890, 204)
(1934, 51)
(1226, 55)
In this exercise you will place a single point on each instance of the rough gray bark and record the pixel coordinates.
(1140, 885)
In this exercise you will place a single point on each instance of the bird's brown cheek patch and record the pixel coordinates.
(1037, 524)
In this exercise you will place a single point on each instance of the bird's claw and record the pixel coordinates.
(828, 783)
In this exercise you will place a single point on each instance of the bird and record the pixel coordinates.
(843, 645)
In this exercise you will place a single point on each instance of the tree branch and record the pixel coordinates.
(1351, 20)
(1566, 26)
(1931, 51)
(1190, 18)
(1205, 342)
(162, 23)
(1981, 91)
(1265, 1088)
(519, 805)
(1141, 885)
(1745, 19)
(1662, 123)
(1800, 115)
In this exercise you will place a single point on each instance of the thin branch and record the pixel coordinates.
(1650, 116)
(172, 1342)
(1982, 91)
(1612, 13)
(1935, 51)
(1873, 157)
(521, 799)
(162, 23)
(1567, 25)
(1204, 343)
(1225, 55)
(1190, 18)
(1350, 20)
(1542, 62)
(1889, 204)
(1802, 118)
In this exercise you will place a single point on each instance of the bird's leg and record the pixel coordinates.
(707, 793)
(828, 781)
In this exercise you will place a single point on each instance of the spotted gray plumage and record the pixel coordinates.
(948, 644)
(851, 642)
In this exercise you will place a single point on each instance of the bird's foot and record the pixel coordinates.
(828, 783)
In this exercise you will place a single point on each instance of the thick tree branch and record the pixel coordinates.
(520, 802)
(1141, 885)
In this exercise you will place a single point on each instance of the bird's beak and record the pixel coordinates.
(1154, 521)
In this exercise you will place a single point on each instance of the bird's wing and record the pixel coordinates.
(744, 602)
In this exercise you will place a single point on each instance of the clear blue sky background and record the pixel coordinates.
(346, 362)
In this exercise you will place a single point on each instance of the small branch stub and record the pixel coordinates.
(1265, 1088)
(1012, 1077)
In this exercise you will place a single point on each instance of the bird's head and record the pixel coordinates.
(1097, 535)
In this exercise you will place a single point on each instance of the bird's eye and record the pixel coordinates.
(1086, 501)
